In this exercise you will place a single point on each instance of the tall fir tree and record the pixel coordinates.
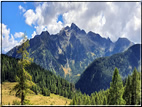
(23, 78)
(116, 90)
(135, 88)
(128, 91)
(105, 100)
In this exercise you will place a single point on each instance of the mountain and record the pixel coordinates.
(70, 51)
(98, 74)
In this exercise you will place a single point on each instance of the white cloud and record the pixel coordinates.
(8, 40)
(33, 35)
(22, 8)
(18, 34)
(109, 19)
(30, 17)
(55, 27)
(122, 21)
(39, 29)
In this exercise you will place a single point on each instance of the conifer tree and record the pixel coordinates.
(105, 101)
(135, 88)
(128, 91)
(93, 99)
(116, 90)
(23, 78)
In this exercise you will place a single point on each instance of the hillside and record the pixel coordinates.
(44, 79)
(34, 99)
(99, 73)
(70, 51)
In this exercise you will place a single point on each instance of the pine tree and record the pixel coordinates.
(105, 101)
(135, 88)
(74, 101)
(24, 79)
(128, 91)
(116, 90)
(93, 99)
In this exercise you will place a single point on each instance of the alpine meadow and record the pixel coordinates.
(71, 53)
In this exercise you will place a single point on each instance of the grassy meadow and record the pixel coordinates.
(8, 98)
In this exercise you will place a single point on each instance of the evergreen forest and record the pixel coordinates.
(120, 92)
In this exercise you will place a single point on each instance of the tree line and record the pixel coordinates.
(33, 78)
(117, 94)
(46, 82)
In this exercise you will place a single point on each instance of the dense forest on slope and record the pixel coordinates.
(70, 51)
(98, 74)
(46, 81)
(128, 92)
(117, 94)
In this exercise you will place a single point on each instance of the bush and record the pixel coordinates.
(16, 102)
(27, 102)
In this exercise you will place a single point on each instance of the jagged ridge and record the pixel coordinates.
(70, 51)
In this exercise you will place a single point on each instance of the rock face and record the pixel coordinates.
(70, 51)
(98, 74)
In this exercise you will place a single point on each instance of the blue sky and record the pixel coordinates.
(13, 18)
(60, 18)
(109, 19)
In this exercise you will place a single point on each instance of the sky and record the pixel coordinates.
(109, 19)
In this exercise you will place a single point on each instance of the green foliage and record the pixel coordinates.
(128, 91)
(27, 102)
(40, 76)
(105, 101)
(47, 82)
(99, 98)
(116, 90)
(135, 88)
(9, 68)
(44, 78)
(23, 78)
(16, 102)
(132, 89)
(101, 70)
(35, 89)
(113, 95)
(45, 92)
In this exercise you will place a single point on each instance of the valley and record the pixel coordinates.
(70, 53)
(65, 66)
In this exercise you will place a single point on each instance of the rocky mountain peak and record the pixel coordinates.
(90, 33)
(109, 39)
(123, 41)
(52, 51)
(44, 33)
(75, 27)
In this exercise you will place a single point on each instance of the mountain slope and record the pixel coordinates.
(44, 79)
(99, 73)
(70, 51)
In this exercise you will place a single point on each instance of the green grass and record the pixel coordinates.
(39, 99)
